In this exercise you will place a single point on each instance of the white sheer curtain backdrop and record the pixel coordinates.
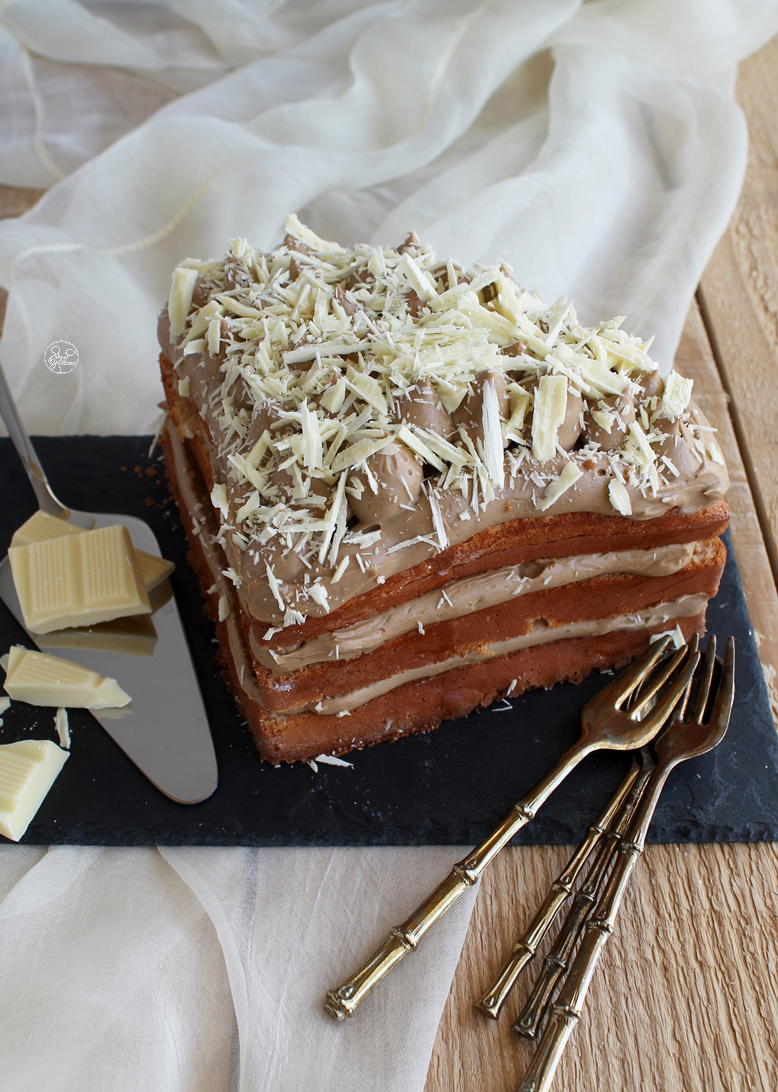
(595, 147)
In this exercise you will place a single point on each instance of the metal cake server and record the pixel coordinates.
(164, 730)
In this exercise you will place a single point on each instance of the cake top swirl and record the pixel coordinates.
(365, 400)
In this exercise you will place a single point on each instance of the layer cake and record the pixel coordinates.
(412, 488)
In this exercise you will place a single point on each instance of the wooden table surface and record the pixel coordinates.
(686, 995)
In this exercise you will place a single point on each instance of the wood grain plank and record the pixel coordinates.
(685, 997)
(739, 293)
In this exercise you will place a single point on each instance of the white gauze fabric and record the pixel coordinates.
(595, 148)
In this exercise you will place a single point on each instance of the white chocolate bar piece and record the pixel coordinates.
(78, 580)
(153, 569)
(41, 527)
(39, 679)
(28, 769)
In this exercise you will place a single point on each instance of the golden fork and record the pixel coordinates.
(556, 962)
(599, 837)
(603, 837)
(686, 737)
(605, 725)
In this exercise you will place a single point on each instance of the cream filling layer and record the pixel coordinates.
(686, 606)
(470, 594)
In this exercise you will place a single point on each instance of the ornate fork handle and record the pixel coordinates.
(524, 949)
(555, 964)
(343, 1000)
(604, 724)
(566, 1011)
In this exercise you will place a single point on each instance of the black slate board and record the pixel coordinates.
(448, 787)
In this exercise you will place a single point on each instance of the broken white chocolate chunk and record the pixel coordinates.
(39, 679)
(4, 705)
(28, 769)
(41, 527)
(548, 415)
(180, 300)
(678, 391)
(78, 580)
(63, 728)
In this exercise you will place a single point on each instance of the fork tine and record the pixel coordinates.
(680, 711)
(658, 680)
(703, 691)
(663, 709)
(725, 697)
(624, 684)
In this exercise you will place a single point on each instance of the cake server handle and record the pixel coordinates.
(344, 999)
(47, 502)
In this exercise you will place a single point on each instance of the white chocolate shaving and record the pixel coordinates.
(554, 491)
(219, 500)
(493, 450)
(62, 727)
(548, 415)
(293, 226)
(619, 497)
(180, 299)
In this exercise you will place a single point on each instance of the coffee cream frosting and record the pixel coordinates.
(366, 408)
(462, 597)
(686, 606)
